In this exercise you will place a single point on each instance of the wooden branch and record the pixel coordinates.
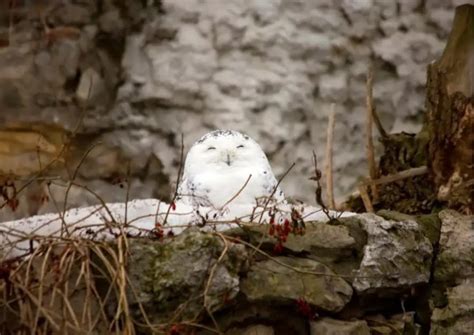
(450, 115)
(365, 198)
(329, 153)
(371, 106)
(368, 132)
(418, 171)
(368, 182)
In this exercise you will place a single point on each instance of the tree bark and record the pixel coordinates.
(450, 115)
(445, 146)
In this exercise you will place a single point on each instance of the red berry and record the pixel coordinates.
(278, 248)
(271, 231)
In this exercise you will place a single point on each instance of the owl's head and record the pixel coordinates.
(224, 149)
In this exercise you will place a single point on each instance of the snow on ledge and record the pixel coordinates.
(138, 218)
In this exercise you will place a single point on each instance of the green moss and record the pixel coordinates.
(431, 226)
(356, 231)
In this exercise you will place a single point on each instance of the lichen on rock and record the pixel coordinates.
(273, 282)
(397, 255)
(173, 274)
(455, 259)
(328, 326)
(457, 317)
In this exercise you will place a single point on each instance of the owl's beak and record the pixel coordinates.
(228, 157)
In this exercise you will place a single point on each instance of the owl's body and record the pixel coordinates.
(227, 167)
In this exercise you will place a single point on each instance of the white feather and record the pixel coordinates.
(226, 167)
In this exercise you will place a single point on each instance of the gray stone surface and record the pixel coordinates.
(174, 274)
(294, 293)
(397, 255)
(453, 284)
(252, 330)
(270, 282)
(455, 260)
(338, 246)
(270, 68)
(457, 317)
(395, 324)
(328, 326)
(319, 236)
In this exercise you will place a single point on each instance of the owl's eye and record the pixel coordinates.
(240, 146)
(211, 148)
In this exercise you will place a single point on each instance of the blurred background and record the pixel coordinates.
(99, 92)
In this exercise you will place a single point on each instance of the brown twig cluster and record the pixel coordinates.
(374, 179)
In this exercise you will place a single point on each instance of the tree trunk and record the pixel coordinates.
(446, 143)
(450, 115)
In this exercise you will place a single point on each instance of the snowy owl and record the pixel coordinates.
(222, 163)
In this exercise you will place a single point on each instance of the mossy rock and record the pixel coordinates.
(172, 275)
(272, 282)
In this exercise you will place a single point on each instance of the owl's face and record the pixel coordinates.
(224, 150)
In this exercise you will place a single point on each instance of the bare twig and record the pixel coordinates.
(98, 197)
(328, 161)
(73, 178)
(238, 193)
(370, 104)
(121, 282)
(64, 147)
(178, 180)
(127, 195)
(319, 190)
(209, 281)
(413, 172)
(368, 133)
(267, 202)
(286, 265)
(365, 198)
(362, 187)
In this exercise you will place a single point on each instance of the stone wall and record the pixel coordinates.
(136, 76)
(365, 274)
